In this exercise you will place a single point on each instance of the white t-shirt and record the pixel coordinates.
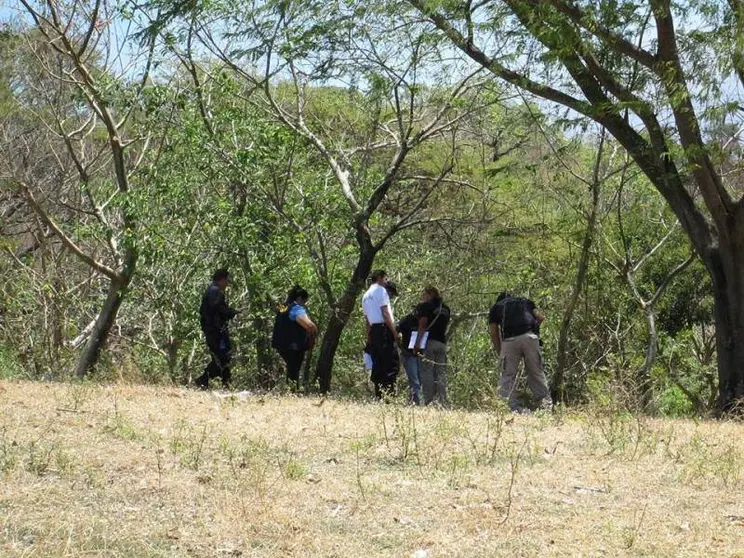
(372, 302)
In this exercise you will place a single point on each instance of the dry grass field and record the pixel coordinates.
(143, 471)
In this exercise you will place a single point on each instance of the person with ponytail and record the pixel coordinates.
(294, 333)
(431, 344)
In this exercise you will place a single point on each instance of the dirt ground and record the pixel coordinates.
(137, 471)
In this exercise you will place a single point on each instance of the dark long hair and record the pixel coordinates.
(433, 292)
(503, 295)
(221, 273)
(295, 293)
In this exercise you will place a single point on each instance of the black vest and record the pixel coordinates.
(288, 334)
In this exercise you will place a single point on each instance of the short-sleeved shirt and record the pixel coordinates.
(438, 315)
(515, 316)
(372, 302)
(295, 311)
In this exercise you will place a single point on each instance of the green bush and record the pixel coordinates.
(10, 364)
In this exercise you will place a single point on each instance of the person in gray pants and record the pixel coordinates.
(433, 317)
(514, 325)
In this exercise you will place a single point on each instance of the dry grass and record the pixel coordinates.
(140, 471)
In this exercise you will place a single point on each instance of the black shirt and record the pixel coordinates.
(515, 316)
(214, 312)
(438, 314)
(406, 326)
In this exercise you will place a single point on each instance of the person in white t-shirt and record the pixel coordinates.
(381, 335)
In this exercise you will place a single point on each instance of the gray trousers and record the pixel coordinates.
(433, 373)
(513, 350)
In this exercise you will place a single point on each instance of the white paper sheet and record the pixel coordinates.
(414, 336)
(367, 361)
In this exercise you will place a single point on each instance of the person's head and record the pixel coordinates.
(379, 276)
(430, 293)
(503, 295)
(221, 278)
(392, 289)
(299, 295)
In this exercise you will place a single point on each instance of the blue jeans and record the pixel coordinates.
(411, 366)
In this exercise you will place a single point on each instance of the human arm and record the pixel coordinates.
(534, 311)
(217, 304)
(382, 299)
(298, 314)
(308, 325)
(388, 319)
(423, 324)
(495, 318)
(493, 329)
(539, 315)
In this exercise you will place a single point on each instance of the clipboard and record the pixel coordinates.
(414, 337)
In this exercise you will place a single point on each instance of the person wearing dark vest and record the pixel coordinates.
(381, 335)
(433, 317)
(215, 314)
(410, 361)
(294, 333)
(514, 326)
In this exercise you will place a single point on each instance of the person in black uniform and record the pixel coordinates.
(215, 315)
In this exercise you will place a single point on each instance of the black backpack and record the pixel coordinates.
(287, 333)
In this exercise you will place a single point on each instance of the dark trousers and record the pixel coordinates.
(293, 359)
(221, 353)
(385, 359)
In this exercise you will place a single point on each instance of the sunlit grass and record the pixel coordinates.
(144, 471)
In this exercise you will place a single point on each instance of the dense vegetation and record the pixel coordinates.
(144, 145)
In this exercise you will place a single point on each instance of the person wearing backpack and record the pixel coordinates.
(514, 326)
(433, 317)
(215, 314)
(294, 333)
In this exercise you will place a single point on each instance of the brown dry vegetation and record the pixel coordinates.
(144, 471)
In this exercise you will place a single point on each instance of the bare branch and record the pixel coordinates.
(653, 250)
(498, 69)
(91, 28)
(616, 42)
(66, 240)
(716, 197)
(406, 221)
(669, 278)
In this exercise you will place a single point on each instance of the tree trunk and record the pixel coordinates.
(645, 385)
(727, 272)
(266, 363)
(101, 329)
(306, 370)
(171, 351)
(267, 369)
(340, 317)
(559, 383)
